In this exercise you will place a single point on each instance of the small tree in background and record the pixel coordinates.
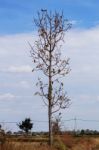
(2, 131)
(46, 55)
(26, 125)
(2, 136)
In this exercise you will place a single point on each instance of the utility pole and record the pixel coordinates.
(75, 125)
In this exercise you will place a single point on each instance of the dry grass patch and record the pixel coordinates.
(24, 146)
(63, 142)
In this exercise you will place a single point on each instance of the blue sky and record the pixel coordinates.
(17, 16)
(17, 82)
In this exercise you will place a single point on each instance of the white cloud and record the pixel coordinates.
(14, 49)
(24, 84)
(18, 69)
(86, 98)
(81, 45)
(7, 96)
(73, 22)
(18, 84)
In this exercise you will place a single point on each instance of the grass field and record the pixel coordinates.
(64, 142)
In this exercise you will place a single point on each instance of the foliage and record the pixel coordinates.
(2, 135)
(26, 125)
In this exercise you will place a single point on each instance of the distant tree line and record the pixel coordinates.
(81, 132)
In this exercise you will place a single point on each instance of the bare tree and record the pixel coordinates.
(46, 55)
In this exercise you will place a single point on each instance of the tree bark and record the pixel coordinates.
(50, 93)
(50, 103)
(50, 124)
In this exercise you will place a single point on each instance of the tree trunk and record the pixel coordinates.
(50, 124)
(50, 107)
(50, 93)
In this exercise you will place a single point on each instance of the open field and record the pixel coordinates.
(63, 142)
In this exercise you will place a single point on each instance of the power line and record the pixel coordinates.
(8, 122)
(39, 121)
(75, 124)
(88, 120)
(68, 120)
(45, 121)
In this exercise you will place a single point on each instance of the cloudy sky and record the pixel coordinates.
(17, 82)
